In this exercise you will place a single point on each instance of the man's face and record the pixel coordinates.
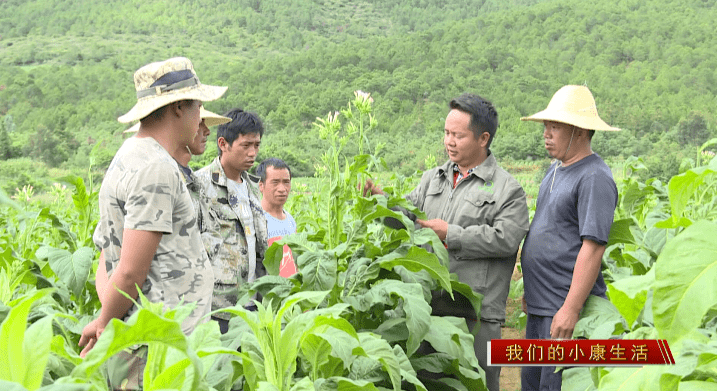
(199, 143)
(192, 120)
(557, 138)
(277, 186)
(462, 146)
(240, 155)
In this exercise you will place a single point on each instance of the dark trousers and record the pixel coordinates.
(488, 330)
(539, 378)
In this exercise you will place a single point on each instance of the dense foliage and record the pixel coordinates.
(356, 315)
(650, 65)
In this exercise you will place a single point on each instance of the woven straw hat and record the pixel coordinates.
(210, 119)
(572, 105)
(161, 83)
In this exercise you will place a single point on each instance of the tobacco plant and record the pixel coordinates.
(377, 279)
(663, 267)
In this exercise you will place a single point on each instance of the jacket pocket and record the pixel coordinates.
(477, 208)
(226, 222)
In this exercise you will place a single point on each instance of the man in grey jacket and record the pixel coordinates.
(480, 213)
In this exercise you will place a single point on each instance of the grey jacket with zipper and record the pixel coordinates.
(487, 218)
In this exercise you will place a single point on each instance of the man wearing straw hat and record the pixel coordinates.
(147, 229)
(562, 253)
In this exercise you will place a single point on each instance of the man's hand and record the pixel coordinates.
(525, 305)
(369, 188)
(564, 323)
(89, 336)
(439, 226)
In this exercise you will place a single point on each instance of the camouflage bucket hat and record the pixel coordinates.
(161, 83)
(210, 119)
(572, 105)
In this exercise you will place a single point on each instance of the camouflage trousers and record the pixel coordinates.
(125, 370)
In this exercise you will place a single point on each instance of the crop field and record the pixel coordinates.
(357, 313)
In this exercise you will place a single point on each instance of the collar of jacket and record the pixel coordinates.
(484, 171)
(218, 175)
(220, 178)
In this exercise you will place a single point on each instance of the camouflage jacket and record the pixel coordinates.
(224, 234)
(144, 190)
(199, 198)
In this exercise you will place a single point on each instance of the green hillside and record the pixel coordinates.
(66, 71)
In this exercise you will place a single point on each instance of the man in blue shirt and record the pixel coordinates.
(562, 253)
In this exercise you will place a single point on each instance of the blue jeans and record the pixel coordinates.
(539, 378)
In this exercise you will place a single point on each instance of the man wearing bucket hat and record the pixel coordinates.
(196, 147)
(562, 253)
(480, 213)
(236, 235)
(147, 229)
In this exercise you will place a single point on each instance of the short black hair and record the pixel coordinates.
(271, 162)
(243, 122)
(484, 117)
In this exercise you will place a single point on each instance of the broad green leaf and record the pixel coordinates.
(304, 384)
(339, 383)
(143, 327)
(697, 385)
(36, 348)
(421, 277)
(428, 236)
(682, 188)
(433, 362)
(340, 335)
(454, 384)
(577, 379)
(417, 310)
(446, 337)
(319, 270)
(419, 259)
(7, 385)
(14, 362)
(278, 286)
(599, 319)
(378, 349)
(685, 275)
(475, 298)
(629, 295)
(646, 378)
(273, 257)
(358, 274)
(66, 387)
(73, 269)
(621, 231)
(266, 386)
(393, 330)
(407, 371)
(316, 351)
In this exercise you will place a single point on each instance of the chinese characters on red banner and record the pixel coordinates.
(578, 352)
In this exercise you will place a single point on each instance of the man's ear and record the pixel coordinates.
(176, 108)
(222, 143)
(483, 139)
(261, 187)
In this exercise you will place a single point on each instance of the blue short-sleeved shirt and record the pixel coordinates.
(580, 206)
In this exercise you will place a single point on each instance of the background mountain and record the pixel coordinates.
(66, 72)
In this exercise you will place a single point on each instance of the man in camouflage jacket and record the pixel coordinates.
(235, 236)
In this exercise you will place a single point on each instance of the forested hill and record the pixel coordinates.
(66, 70)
